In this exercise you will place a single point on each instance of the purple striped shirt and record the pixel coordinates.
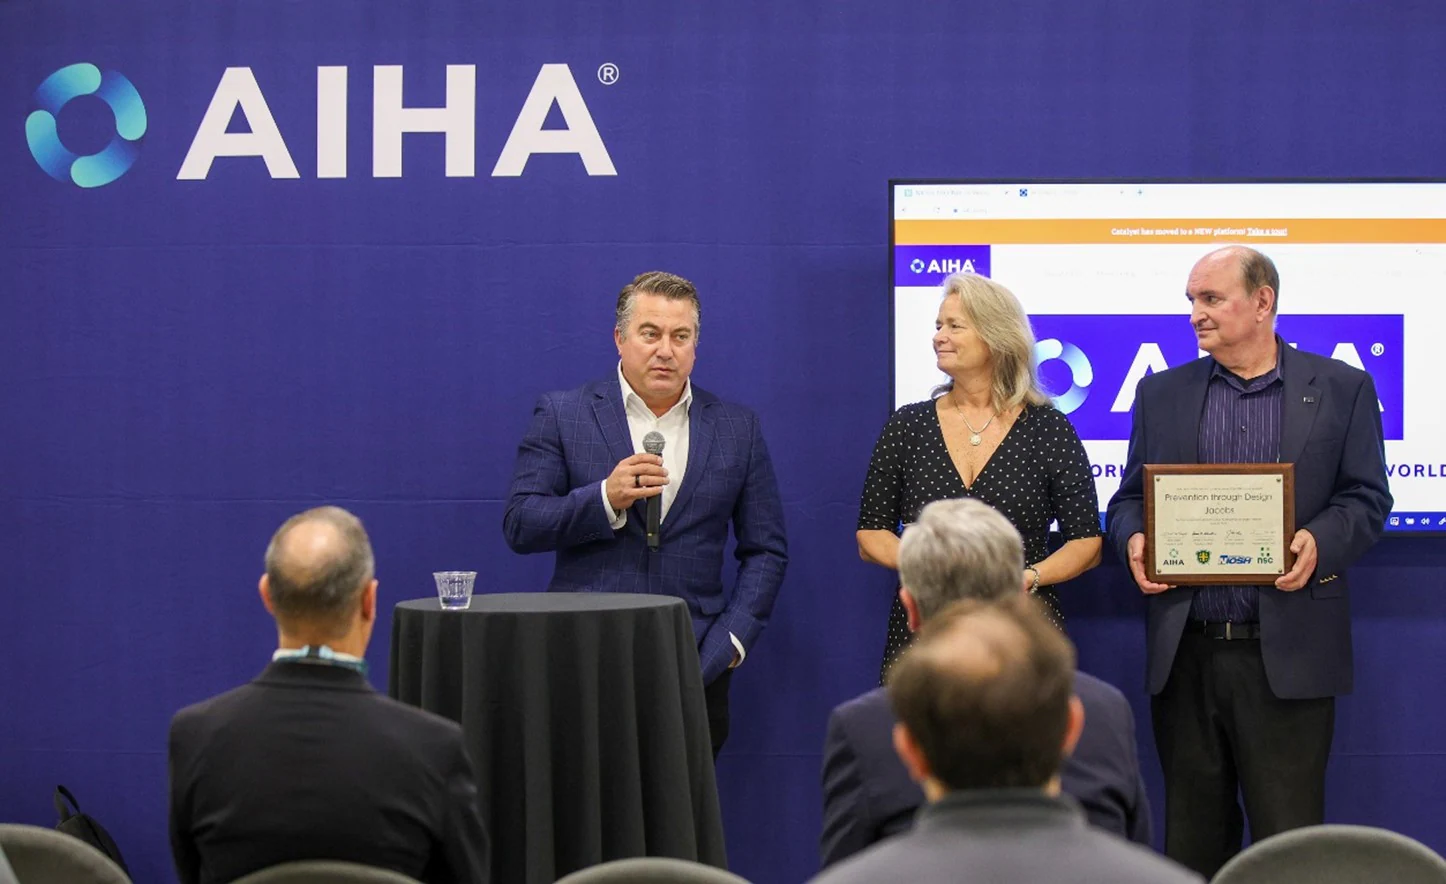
(1240, 424)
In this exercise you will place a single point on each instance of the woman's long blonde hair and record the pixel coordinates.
(1001, 323)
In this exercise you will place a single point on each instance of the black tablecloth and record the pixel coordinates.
(584, 715)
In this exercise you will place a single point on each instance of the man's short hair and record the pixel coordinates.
(960, 549)
(1256, 269)
(985, 693)
(656, 282)
(319, 590)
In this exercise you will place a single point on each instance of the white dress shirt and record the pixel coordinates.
(673, 424)
(674, 427)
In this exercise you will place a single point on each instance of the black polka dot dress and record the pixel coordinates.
(1039, 474)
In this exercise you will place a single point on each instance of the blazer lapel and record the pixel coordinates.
(612, 421)
(1189, 406)
(1302, 404)
(700, 444)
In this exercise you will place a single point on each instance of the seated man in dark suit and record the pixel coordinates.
(308, 761)
(986, 714)
(965, 549)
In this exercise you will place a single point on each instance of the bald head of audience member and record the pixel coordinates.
(320, 581)
(958, 549)
(985, 699)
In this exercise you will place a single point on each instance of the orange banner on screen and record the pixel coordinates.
(1023, 231)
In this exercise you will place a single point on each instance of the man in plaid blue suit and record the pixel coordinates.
(582, 482)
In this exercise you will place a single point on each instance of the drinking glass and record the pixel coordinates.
(454, 589)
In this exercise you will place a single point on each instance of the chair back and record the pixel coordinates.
(325, 871)
(1335, 855)
(651, 870)
(7, 874)
(45, 856)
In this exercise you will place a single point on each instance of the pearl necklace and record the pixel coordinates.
(974, 439)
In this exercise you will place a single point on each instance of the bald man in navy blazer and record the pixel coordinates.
(308, 761)
(1244, 678)
(964, 549)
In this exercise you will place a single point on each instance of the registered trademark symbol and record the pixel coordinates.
(1377, 349)
(607, 74)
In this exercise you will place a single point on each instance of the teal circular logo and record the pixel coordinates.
(1081, 373)
(87, 170)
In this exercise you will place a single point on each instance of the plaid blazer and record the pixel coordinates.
(577, 438)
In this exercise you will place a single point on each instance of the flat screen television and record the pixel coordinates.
(1100, 267)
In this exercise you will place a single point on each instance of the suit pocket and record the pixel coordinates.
(1331, 590)
(709, 605)
(1324, 443)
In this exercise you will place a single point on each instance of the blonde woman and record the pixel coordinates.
(989, 433)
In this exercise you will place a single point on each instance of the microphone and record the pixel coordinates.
(653, 444)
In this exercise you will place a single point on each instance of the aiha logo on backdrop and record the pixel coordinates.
(239, 95)
(43, 134)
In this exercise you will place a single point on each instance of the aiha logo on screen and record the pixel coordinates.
(1098, 360)
(43, 134)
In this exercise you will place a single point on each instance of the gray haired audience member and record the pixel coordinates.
(959, 549)
(965, 549)
(308, 761)
(986, 714)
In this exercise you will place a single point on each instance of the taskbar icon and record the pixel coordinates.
(1428, 521)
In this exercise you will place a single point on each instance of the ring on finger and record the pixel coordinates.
(637, 480)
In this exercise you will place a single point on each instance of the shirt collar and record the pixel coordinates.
(1002, 807)
(319, 654)
(632, 400)
(1259, 382)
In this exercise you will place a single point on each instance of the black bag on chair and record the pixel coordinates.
(83, 826)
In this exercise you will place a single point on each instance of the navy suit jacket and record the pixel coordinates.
(577, 438)
(309, 762)
(868, 796)
(1331, 431)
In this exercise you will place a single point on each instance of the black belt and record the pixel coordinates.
(1224, 631)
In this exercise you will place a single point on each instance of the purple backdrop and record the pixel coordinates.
(187, 362)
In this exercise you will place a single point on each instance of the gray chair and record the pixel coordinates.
(652, 869)
(45, 856)
(7, 874)
(324, 871)
(1335, 855)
